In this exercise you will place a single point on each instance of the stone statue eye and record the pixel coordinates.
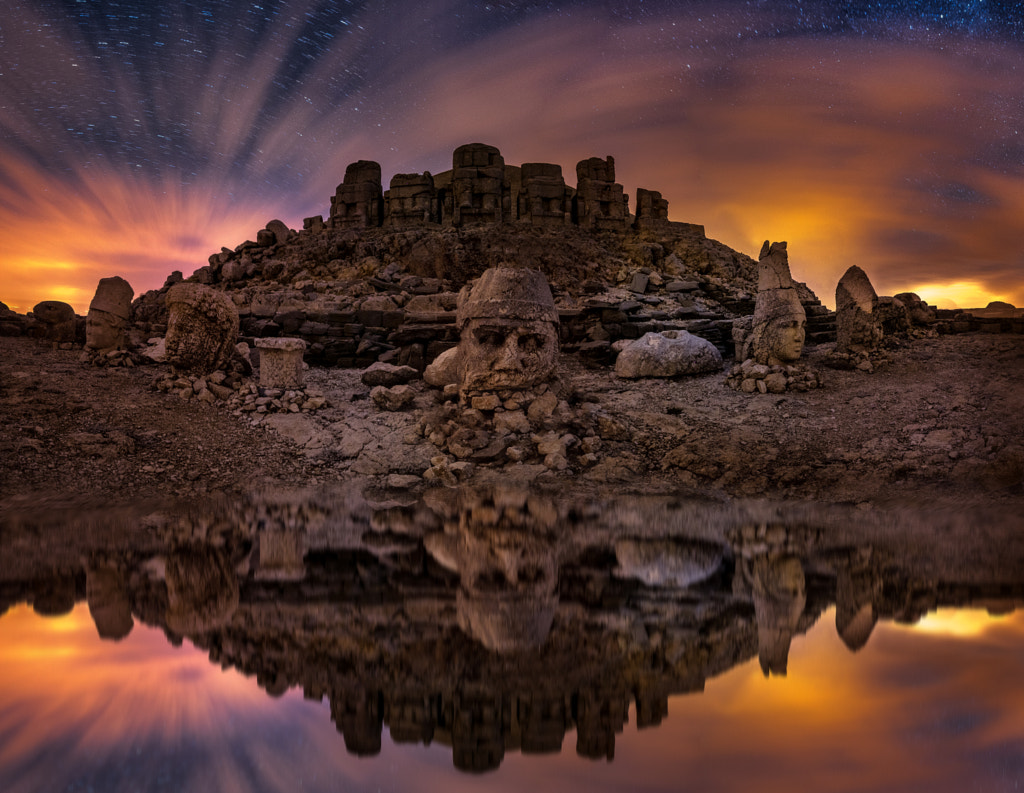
(490, 338)
(530, 342)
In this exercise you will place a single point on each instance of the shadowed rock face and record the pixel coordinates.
(920, 312)
(508, 331)
(109, 602)
(58, 320)
(600, 201)
(777, 336)
(478, 179)
(108, 316)
(202, 328)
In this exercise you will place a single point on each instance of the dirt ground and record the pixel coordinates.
(944, 421)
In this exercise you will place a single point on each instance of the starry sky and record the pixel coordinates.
(137, 138)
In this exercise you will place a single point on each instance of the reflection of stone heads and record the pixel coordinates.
(780, 594)
(508, 328)
(508, 574)
(202, 590)
(777, 336)
(109, 606)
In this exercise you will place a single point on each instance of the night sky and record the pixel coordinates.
(136, 137)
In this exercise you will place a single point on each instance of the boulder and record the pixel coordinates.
(668, 354)
(109, 313)
(387, 374)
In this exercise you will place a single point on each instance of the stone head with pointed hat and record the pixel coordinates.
(778, 332)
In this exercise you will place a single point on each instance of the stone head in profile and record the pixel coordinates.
(777, 336)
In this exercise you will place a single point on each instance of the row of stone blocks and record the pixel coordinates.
(410, 339)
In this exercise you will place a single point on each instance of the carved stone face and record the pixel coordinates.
(103, 331)
(784, 338)
(499, 354)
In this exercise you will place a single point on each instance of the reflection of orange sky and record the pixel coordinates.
(931, 707)
(897, 157)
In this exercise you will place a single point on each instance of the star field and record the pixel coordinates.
(137, 138)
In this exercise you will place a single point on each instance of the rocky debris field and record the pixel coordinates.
(942, 420)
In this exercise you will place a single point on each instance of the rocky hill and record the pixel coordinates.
(353, 284)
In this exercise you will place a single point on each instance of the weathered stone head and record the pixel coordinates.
(57, 320)
(777, 336)
(202, 590)
(501, 543)
(109, 603)
(779, 592)
(508, 328)
(109, 313)
(202, 327)
(857, 327)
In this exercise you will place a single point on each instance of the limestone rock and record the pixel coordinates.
(668, 354)
(281, 362)
(444, 369)
(395, 398)
(920, 312)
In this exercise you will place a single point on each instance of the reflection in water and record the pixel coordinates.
(496, 620)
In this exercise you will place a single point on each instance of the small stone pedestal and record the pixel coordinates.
(281, 362)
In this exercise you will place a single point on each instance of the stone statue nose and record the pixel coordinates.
(508, 357)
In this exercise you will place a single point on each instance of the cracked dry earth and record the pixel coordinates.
(944, 421)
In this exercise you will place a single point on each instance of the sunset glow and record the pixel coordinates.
(836, 712)
(895, 145)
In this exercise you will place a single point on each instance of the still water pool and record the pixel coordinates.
(498, 639)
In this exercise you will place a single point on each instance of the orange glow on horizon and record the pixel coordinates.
(958, 294)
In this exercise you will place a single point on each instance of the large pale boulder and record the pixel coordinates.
(671, 353)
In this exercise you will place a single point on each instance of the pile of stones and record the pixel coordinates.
(531, 426)
(758, 378)
(113, 358)
(240, 394)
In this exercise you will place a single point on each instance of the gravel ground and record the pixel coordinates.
(943, 421)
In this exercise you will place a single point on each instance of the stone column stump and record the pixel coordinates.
(281, 362)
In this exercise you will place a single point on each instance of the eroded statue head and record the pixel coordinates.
(509, 331)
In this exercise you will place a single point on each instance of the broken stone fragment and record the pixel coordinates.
(668, 354)
(387, 374)
(109, 313)
(394, 398)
